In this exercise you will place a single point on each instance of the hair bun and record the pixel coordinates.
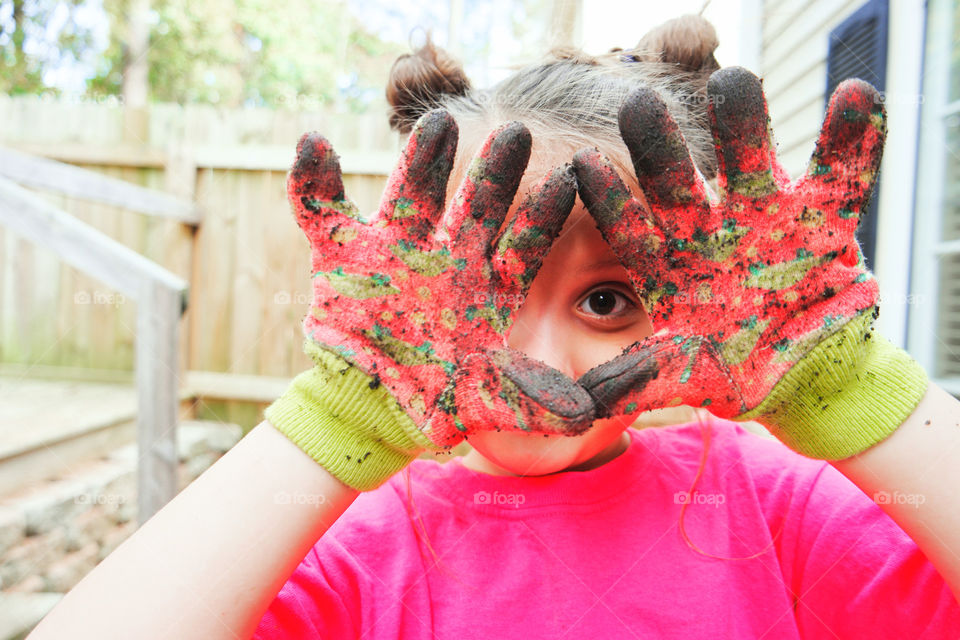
(688, 41)
(418, 81)
(686, 44)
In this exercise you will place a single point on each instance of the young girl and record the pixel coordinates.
(429, 326)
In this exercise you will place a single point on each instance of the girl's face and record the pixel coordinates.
(580, 311)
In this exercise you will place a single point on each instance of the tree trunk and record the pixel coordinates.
(135, 86)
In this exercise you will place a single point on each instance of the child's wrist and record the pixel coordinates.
(850, 392)
(349, 425)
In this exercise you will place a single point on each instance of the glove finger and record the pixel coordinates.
(662, 162)
(486, 193)
(533, 228)
(629, 374)
(627, 225)
(417, 188)
(506, 390)
(850, 146)
(315, 186)
(662, 372)
(741, 131)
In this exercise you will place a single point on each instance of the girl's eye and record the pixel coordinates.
(605, 302)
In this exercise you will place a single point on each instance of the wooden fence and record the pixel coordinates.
(246, 262)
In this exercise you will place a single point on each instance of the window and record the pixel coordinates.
(858, 49)
(934, 323)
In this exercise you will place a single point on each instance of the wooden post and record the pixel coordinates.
(179, 240)
(136, 68)
(158, 319)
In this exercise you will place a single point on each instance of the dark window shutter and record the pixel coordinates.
(858, 49)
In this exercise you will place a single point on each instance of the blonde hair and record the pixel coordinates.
(571, 100)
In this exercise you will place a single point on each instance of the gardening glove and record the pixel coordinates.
(403, 299)
(761, 303)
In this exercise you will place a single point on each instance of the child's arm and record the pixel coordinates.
(914, 474)
(211, 561)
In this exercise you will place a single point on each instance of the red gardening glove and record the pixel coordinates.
(743, 291)
(414, 292)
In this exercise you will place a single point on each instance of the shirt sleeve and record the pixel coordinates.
(851, 569)
(318, 600)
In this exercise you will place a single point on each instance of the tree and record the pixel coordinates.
(36, 37)
(250, 52)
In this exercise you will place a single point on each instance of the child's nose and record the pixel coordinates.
(542, 343)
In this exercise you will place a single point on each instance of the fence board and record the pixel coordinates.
(214, 259)
(77, 311)
(45, 298)
(6, 293)
(23, 300)
(98, 153)
(247, 303)
(67, 352)
(286, 286)
(101, 296)
(133, 231)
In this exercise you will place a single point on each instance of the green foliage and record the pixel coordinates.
(34, 37)
(255, 52)
(249, 52)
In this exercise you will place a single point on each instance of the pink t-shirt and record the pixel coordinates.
(599, 554)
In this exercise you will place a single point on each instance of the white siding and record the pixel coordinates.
(793, 63)
(935, 319)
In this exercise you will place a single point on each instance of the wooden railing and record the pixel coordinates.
(161, 296)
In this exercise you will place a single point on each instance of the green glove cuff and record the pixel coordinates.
(349, 424)
(849, 393)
